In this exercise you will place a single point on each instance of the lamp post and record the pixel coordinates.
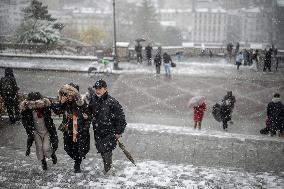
(115, 61)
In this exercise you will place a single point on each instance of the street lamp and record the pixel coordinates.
(115, 61)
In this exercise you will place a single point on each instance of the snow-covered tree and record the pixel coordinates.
(38, 26)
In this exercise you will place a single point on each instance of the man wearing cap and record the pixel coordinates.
(108, 122)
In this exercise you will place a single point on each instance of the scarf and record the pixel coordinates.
(75, 127)
(39, 112)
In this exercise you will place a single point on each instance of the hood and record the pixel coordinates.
(72, 91)
(30, 104)
(9, 72)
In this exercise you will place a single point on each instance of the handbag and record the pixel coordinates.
(173, 64)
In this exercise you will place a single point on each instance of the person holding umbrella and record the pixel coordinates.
(108, 122)
(138, 50)
(199, 107)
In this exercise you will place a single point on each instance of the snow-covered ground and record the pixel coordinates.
(24, 172)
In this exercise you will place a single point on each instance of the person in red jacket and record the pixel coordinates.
(198, 115)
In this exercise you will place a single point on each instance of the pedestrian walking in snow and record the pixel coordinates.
(255, 60)
(158, 61)
(9, 93)
(148, 50)
(167, 64)
(267, 60)
(108, 122)
(199, 107)
(239, 60)
(275, 114)
(75, 123)
(138, 50)
(226, 109)
(36, 119)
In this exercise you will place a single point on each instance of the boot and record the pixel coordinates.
(44, 164)
(77, 165)
(54, 158)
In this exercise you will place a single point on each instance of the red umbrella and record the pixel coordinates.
(196, 101)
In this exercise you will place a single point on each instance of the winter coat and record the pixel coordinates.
(225, 111)
(275, 113)
(239, 59)
(8, 85)
(68, 109)
(199, 112)
(108, 119)
(231, 101)
(158, 59)
(267, 59)
(148, 51)
(138, 48)
(167, 58)
(28, 120)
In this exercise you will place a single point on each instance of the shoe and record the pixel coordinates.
(77, 168)
(44, 164)
(54, 158)
(110, 172)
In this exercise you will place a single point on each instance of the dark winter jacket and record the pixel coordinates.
(167, 58)
(29, 125)
(138, 48)
(225, 111)
(8, 85)
(275, 114)
(68, 109)
(158, 59)
(267, 59)
(231, 101)
(108, 119)
(148, 51)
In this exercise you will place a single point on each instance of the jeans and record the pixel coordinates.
(168, 69)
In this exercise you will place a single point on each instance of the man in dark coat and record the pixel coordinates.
(138, 50)
(108, 121)
(75, 123)
(267, 60)
(158, 61)
(275, 114)
(231, 100)
(36, 118)
(148, 50)
(9, 93)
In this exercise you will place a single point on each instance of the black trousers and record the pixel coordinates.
(225, 124)
(12, 105)
(158, 69)
(107, 159)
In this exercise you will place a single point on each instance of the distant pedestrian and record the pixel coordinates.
(148, 50)
(36, 118)
(9, 93)
(255, 60)
(198, 115)
(75, 123)
(210, 54)
(267, 60)
(108, 122)
(158, 61)
(138, 50)
(167, 63)
(275, 114)
(239, 60)
(227, 106)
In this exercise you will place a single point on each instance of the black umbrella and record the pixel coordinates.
(216, 111)
(127, 154)
(139, 39)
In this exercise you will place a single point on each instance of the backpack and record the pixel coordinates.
(7, 86)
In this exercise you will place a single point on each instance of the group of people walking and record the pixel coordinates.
(100, 110)
(159, 58)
